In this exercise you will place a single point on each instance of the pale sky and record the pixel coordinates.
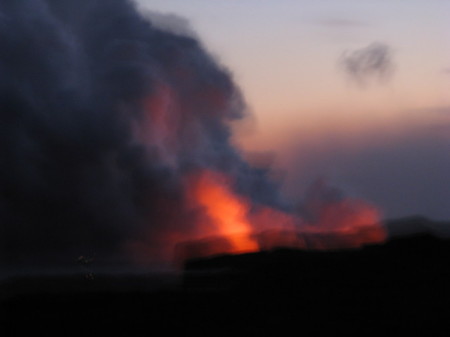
(284, 56)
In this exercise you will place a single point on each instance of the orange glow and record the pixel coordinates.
(216, 220)
(159, 124)
(226, 213)
(231, 224)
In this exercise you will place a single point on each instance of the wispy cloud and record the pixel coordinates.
(341, 22)
(370, 62)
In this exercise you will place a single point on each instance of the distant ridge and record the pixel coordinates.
(417, 224)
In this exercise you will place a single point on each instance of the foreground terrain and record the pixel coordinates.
(402, 286)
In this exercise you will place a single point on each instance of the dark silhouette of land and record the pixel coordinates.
(402, 286)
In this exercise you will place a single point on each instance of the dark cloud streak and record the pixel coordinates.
(342, 23)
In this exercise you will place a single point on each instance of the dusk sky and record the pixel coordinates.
(384, 138)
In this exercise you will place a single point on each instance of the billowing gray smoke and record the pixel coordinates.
(101, 114)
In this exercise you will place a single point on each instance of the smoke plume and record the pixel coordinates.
(115, 138)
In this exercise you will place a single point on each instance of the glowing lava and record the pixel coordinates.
(230, 223)
(226, 213)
